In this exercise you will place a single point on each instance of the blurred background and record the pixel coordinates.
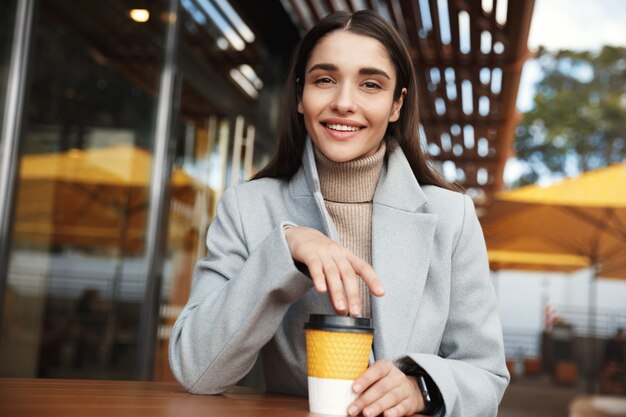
(124, 121)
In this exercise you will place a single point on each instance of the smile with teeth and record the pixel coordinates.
(342, 128)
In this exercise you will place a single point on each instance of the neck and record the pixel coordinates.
(350, 182)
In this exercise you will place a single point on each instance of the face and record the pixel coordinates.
(348, 101)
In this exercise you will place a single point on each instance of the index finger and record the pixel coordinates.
(367, 274)
(372, 374)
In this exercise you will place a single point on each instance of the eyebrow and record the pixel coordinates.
(362, 71)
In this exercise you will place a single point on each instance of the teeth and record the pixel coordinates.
(342, 128)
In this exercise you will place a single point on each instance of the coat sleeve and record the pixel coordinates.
(238, 298)
(470, 369)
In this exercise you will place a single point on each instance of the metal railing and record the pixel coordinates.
(606, 321)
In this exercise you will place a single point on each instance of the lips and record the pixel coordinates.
(341, 127)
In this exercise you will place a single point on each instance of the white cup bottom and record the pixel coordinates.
(330, 396)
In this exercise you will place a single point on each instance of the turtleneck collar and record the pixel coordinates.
(350, 182)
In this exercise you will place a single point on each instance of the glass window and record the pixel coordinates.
(226, 112)
(7, 20)
(76, 278)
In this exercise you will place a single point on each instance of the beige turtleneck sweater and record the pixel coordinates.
(348, 189)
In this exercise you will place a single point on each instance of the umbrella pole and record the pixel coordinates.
(591, 329)
(109, 337)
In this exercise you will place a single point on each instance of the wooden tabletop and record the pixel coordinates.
(597, 406)
(72, 398)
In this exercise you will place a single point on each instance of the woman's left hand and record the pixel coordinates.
(384, 389)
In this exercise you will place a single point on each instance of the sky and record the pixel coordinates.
(571, 24)
(566, 24)
(578, 24)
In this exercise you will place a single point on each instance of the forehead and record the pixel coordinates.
(350, 50)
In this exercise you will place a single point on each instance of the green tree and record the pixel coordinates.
(579, 119)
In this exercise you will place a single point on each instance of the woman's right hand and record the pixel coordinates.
(333, 268)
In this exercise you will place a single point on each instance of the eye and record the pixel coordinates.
(371, 85)
(323, 81)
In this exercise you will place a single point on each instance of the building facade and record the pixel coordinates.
(122, 123)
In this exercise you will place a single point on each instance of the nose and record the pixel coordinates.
(344, 100)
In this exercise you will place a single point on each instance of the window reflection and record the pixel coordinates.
(76, 277)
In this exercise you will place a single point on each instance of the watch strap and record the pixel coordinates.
(433, 401)
(430, 408)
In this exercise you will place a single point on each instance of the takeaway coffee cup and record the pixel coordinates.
(338, 350)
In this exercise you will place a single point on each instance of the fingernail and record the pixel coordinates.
(356, 388)
(380, 290)
(356, 310)
(341, 305)
(352, 410)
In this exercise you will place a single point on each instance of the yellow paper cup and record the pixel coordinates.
(338, 351)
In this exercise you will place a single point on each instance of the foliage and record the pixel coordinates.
(579, 119)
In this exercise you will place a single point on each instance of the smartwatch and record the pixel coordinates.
(433, 401)
(429, 395)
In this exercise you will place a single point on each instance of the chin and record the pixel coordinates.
(340, 154)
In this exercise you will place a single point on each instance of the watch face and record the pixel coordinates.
(431, 404)
(424, 389)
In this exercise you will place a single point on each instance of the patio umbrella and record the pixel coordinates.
(583, 216)
(94, 198)
(535, 261)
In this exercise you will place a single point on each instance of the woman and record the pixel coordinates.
(348, 194)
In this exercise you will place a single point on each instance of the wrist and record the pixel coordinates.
(431, 396)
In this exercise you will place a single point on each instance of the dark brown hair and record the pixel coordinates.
(404, 132)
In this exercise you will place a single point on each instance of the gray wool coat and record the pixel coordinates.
(248, 297)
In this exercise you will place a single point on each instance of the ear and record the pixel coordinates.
(397, 105)
(300, 110)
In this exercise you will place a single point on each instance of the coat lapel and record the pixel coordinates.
(402, 241)
(306, 183)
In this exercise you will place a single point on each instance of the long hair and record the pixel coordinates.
(404, 132)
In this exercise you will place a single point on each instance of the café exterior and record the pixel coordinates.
(124, 121)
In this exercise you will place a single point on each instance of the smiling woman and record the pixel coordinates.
(348, 218)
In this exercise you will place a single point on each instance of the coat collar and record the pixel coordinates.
(306, 183)
(397, 186)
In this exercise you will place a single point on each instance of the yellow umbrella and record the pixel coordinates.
(583, 216)
(535, 261)
(614, 268)
(116, 165)
(91, 198)
(601, 188)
